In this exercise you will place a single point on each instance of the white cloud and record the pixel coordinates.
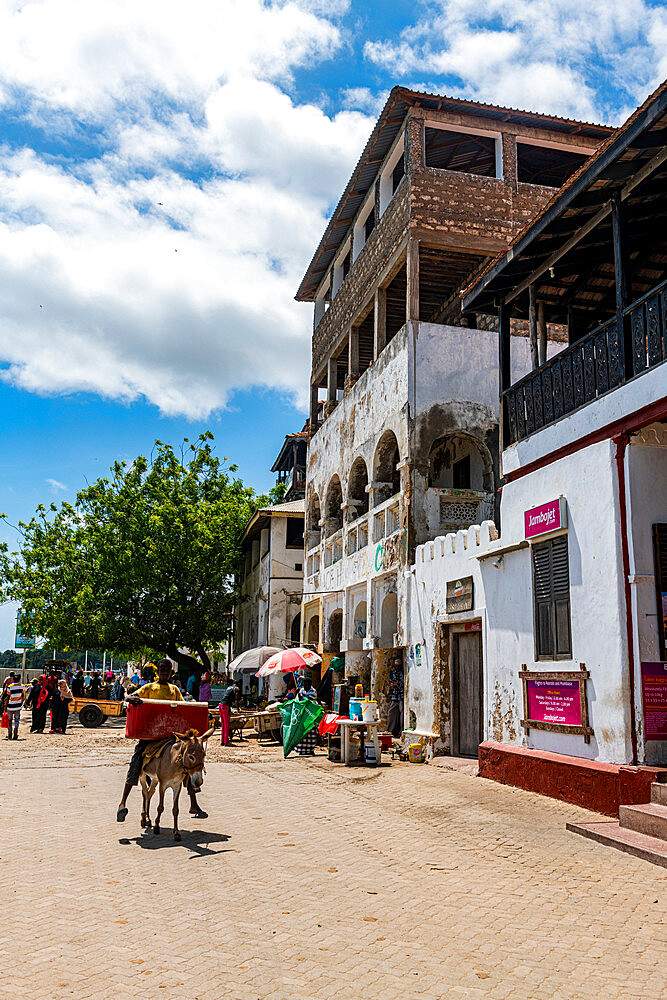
(165, 266)
(536, 54)
(56, 486)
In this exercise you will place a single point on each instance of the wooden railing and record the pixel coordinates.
(594, 365)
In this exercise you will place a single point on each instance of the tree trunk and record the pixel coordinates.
(186, 660)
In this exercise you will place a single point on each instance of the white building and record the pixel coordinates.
(551, 635)
(404, 446)
(271, 583)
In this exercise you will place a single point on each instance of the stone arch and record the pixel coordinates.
(313, 514)
(295, 631)
(360, 620)
(386, 459)
(459, 460)
(388, 620)
(333, 514)
(357, 495)
(313, 636)
(335, 631)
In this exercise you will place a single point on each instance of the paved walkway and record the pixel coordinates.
(312, 881)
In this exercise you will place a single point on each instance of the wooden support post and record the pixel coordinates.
(621, 280)
(412, 281)
(542, 334)
(532, 325)
(353, 351)
(332, 380)
(379, 322)
(314, 406)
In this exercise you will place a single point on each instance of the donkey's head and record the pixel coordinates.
(193, 754)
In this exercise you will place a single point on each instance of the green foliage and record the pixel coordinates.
(276, 494)
(144, 558)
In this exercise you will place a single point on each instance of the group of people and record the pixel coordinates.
(46, 694)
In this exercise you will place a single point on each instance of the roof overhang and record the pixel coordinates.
(636, 153)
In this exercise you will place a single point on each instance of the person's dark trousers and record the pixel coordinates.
(134, 770)
(39, 719)
(63, 716)
(34, 722)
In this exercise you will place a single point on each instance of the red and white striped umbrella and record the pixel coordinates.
(288, 660)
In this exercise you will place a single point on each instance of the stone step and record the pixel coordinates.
(659, 793)
(609, 832)
(649, 819)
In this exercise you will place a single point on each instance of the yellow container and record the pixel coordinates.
(416, 753)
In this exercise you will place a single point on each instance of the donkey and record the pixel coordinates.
(171, 768)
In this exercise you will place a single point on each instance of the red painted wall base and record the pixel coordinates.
(588, 783)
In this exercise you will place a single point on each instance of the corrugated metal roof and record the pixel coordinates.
(380, 141)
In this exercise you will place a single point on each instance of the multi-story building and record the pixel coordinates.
(404, 401)
(271, 583)
(549, 640)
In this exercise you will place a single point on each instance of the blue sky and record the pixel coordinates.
(167, 169)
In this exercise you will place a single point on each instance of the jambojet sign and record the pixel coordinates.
(549, 517)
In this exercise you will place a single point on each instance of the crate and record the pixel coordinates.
(155, 720)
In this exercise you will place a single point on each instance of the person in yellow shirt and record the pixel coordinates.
(160, 690)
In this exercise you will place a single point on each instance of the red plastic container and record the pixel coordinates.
(155, 720)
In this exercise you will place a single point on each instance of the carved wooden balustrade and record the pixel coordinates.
(601, 361)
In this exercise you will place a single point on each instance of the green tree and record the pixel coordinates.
(144, 558)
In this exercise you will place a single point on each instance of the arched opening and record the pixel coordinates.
(313, 636)
(357, 496)
(359, 622)
(333, 515)
(335, 632)
(388, 621)
(384, 468)
(295, 632)
(313, 514)
(460, 462)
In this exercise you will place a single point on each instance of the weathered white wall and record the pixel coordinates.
(503, 600)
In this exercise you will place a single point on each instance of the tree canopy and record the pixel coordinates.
(145, 557)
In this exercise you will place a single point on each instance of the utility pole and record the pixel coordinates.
(25, 653)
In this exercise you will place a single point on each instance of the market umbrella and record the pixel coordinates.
(299, 716)
(252, 659)
(286, 661)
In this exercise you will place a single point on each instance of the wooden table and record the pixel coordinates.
(370, 728)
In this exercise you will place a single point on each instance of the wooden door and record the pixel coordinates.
(467, 729)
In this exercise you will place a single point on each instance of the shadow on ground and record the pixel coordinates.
(196, 841)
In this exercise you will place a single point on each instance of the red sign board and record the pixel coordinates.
(548, 517)
(554, 701)
(654, 693)
(473, 627)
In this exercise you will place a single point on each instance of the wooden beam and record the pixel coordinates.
(542, 334)
(314, 405)
(532, 325)
(504, 365)
(332, 380)
(353, 351)
(379, 322)
(620, 277)
(412, 281)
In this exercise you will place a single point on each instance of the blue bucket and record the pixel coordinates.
(355, 708)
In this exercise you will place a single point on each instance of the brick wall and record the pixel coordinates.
(447, 204)
(376, 253)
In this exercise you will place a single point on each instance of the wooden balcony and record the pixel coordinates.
(596, 364)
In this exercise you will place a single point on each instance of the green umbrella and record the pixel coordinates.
(299, 715)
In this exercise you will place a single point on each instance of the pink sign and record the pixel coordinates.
(554, 701)
(654, 691)
(548, 517)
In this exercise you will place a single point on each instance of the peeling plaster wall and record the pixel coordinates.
(503, 600)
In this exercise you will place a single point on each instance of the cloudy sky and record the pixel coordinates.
(167, 169)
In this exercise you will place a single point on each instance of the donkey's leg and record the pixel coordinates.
(160, 809)
(177, 792)
(149, 792)
(144, 802)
